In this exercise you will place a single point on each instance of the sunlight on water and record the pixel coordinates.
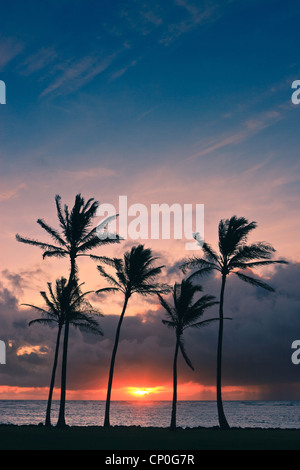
(265, 414)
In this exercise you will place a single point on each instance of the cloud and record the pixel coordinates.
(36, 62)
(257, 345)
(76, 74)
(9, 49)
(247, 130)
(152, 17)
(121, 72)
(168, 21)
(11, 193)
(257, 342)
(78, 175)
(195, 16)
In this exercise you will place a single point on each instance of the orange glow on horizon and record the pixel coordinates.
(187, 391)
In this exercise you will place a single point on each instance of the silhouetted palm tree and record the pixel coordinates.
(183, 314)
(234, 255)
(135, 274)
(75, 238)
(81, 315)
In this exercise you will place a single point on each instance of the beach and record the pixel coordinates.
(121, 438)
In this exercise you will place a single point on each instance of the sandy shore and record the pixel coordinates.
(137, 438)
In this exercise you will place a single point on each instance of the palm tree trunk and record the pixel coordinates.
(112, 364)
(61, 417)
(174, 404)
(48, 412)
(222, 419)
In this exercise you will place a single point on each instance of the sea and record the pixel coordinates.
(190, 414)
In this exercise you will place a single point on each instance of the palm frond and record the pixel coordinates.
(52, 307)
(196, 311)
(201, 272)
(109, 278)
(197, 263)
(39, 309)
(152, 289)
(30, 241)
(41, 321)
(106, 289)
(254, 282)
(259, 263)
(59, 212)
(232, 233)
(52, 232)
(184, 354)
(88, 325)
(202, 324)
(167, 307)
(210, 254)
(204, 302)
(248, 253)
(169, 324)
(54, 253)
(112, 262)
(150, 273)
(91, 243)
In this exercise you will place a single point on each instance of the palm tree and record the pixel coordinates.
(81, 315)
(75, 238)
(185, 313)
(135, 274)
(234, 255)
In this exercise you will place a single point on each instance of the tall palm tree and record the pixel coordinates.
(234, 256)
(75, 238)
(81, 315)
(183, 314)
(135, 274)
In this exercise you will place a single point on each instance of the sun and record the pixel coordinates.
(140, 392)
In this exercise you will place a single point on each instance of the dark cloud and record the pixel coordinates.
(257, 342)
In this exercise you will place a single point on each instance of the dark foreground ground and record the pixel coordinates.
(137, 438)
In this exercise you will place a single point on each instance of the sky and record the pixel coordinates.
(177, 102)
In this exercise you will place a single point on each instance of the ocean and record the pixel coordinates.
(243, 414)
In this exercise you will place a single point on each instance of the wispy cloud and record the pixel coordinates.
(195, 16)
(9, 49)
(90, 173)
(149, 17)
(248, 129)
(76, 74)
(143, 17)
(123, 70)
(11, 193)
(146, 113)
(36, 62)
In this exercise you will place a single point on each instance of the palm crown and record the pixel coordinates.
(76, 236)
(185, 313)
(59, 302)
(234, 254)
(135, 273)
